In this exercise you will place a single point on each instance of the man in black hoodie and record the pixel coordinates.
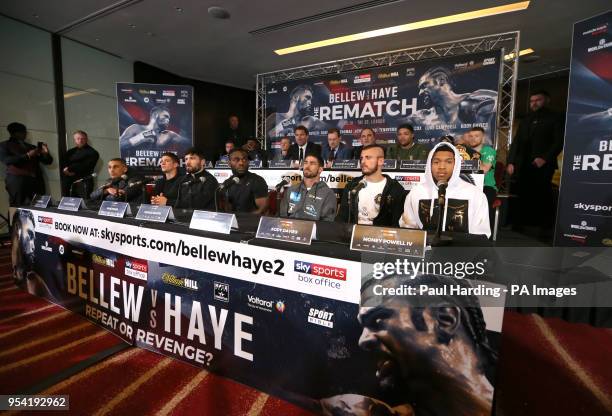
(375, 198)
(532, 160)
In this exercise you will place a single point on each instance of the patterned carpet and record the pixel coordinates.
(547, 367)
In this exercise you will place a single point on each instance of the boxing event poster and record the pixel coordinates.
(153, 119)
(437, 97)
(585, 202)
(285, 323)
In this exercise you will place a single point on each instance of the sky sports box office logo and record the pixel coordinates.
(319, 274)
(136, 269)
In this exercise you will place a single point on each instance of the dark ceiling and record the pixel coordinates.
(192, 44)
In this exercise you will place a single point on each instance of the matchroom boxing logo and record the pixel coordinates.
(319, 274)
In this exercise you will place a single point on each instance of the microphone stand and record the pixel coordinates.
(438, 239)
(350, 207)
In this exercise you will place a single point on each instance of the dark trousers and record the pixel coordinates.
(534, 205)
(490, 193)
(21, 189)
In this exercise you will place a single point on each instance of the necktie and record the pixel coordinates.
(301, 154)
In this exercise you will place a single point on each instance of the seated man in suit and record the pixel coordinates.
(120, 186)
(334, 149)
(302, 147)
(283, 152)
(367, 137)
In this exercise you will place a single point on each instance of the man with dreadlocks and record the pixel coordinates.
(433, 355)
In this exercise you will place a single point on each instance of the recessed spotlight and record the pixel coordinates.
(35, 16)
(97, 39)
(132, 26)
(150, 34)
(218, 12)
(179, 9)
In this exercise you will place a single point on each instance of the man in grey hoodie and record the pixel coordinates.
(311, 199)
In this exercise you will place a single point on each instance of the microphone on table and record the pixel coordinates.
(362, 184)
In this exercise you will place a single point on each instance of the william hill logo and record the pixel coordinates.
(103, 261)
(185, 283)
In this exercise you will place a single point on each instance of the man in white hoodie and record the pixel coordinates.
(465, 209)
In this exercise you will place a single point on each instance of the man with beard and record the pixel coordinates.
(166, 188)
(198, 187)
(302, 146)
(434, 356)
(311, 199)
(406, 148)
(367, 137)
(246, 191)
(153, 136)
(373, 198)
(298, 114)
(444, 106)
(120, 185)
(532, 160)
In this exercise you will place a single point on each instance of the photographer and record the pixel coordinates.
(23, 174)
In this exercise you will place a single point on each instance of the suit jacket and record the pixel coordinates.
(294, 150)
(343, 153)
(540, 134)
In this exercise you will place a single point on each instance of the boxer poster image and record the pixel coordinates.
(153, 119)
(440, 96)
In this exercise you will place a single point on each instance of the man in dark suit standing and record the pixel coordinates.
(532, 160)
(334, 149)
(302, 147)
(79, 164)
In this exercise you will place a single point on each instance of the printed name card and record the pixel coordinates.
(222, 164)
(71, 204)
(216, 222)
(280, 164)
(345, 164)
(473, 165)
(413, 164)
(285, 229)
(255, 164)
(155, 213)
(41, 201)
(390, 164)
(400, 241)
(114, 209)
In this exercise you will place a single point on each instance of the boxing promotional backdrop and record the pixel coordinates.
(153, 119)
(585, 198)
(441, 96)
(283, 322)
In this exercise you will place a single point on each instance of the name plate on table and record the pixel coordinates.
(41, 201)
(114, 209)
(345, 164)
(222, 164)
(155, 213)
(390, 164)
(285, 229)
(216, 222)
(400, 241)
(255, 164)
(280, 164)
(413, 164)
(71, 204)
(473, 165)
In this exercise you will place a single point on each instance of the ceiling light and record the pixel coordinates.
(132, 26)
(179, 9)
(492, 11)
(521, 53)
